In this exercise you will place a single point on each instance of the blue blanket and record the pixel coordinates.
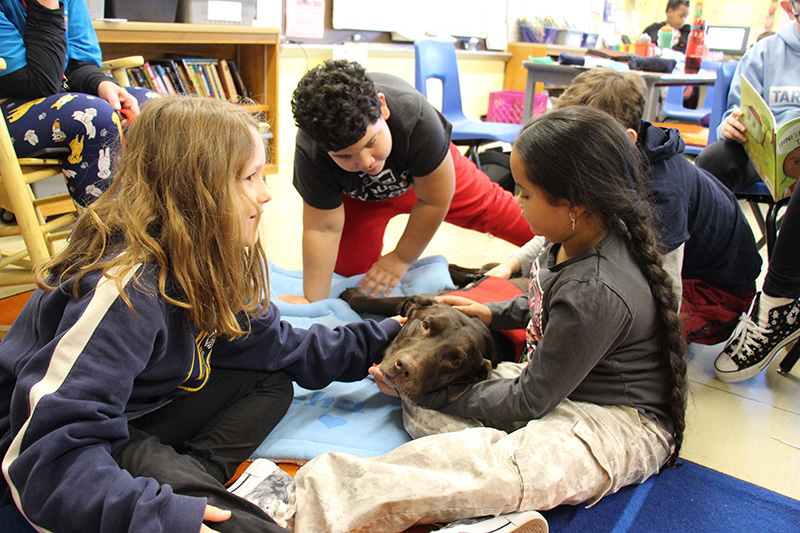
(355, 418)
(429, 274)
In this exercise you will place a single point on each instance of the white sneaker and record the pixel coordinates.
(266, 485)
(522, 522)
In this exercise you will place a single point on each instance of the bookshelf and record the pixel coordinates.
(255, 51)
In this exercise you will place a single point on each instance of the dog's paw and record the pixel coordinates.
(350, 294)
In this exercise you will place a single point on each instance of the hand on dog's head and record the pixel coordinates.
(438, 348)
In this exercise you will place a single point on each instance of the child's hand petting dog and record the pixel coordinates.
(468, 307)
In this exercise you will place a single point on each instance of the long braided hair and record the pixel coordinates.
(591, 162)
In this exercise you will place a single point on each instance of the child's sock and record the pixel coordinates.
(766, 304)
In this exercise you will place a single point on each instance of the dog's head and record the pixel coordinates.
(438, 348)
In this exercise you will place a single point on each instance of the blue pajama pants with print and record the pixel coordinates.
(85, 125)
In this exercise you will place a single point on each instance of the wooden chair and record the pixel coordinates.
(39, 221)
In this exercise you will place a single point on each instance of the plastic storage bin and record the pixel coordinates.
(97, 8)
(239, 13)
(538, 34)
(507, 106)
(569, 38)
(589, 40)
(142, 10)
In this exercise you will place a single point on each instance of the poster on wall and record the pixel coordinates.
(609, 10)
(305, 19)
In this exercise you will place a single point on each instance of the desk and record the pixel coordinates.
(563, 75)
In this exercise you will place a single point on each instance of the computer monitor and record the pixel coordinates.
(731, 40)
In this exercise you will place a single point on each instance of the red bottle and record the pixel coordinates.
(695, 47)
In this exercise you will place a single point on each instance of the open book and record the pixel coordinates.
(774, 149)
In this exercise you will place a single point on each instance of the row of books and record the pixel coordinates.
(214, 78)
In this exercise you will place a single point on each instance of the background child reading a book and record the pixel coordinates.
(772, 66)
(149, 363)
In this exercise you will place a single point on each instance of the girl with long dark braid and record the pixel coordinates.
(599, 401)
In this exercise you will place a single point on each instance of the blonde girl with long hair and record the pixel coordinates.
(149, 364)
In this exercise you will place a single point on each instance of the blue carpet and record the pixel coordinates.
(686, 498)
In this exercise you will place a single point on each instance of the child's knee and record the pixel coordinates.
(87, 116)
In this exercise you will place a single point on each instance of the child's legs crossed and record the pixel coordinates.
(364, 227)
(482, 205)
(433, 479)
(571, 455)
(143, 455)
(224, 422)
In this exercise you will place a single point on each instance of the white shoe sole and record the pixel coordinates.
(520, 522)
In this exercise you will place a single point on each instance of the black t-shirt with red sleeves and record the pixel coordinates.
(420, 142)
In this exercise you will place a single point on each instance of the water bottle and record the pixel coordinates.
(665, 37)
(696, 47)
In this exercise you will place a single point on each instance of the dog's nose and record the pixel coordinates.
(403, 367)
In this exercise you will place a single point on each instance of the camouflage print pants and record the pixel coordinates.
(577, 453)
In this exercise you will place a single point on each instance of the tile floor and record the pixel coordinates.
(749, 430)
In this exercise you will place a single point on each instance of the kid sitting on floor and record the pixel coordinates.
(600, 403)
(370, 147)
(148, 364)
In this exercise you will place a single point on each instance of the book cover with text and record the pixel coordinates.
(773, 148)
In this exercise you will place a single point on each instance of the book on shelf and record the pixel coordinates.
(205, 72)
(139, 78)
(165, 78)
(194, 78)
(155, 79)
(227, 81)
(237, 79)
(773, 148)
(183, 79)
(212, 78)
(169, 76)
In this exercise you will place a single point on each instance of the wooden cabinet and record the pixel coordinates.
(255, 51)
(516, 76)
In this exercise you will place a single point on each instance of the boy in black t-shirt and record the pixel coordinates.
(370, 147)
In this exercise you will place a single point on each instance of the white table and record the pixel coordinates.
(558, 74)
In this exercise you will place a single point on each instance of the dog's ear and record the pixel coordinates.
(457, 389)
(415, 302)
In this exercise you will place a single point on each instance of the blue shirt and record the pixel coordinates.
(82, 44)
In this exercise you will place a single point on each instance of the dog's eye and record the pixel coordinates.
(425, 325)
(454, 360)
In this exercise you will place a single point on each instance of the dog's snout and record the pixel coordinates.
(404, 367)
(401, 368)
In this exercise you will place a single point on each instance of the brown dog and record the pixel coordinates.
(438, 348)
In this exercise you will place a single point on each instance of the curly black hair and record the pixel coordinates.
(334, 103)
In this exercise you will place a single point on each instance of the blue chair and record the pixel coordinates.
(673, 103)
(719, 102)
(437, 59)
